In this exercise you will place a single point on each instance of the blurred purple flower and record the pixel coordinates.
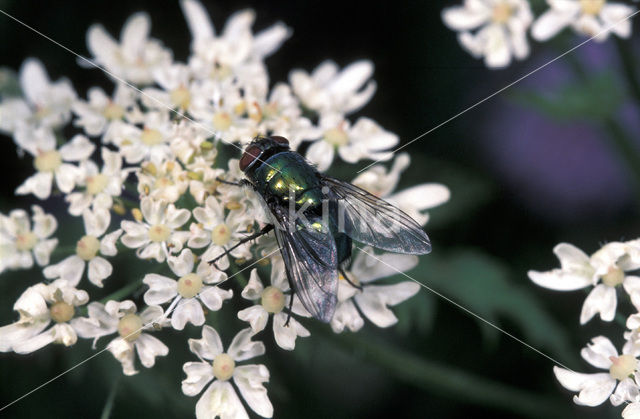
(564, 170)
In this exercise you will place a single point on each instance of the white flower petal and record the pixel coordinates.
(123, 352)
(187, 311)
(549, 24)
(42, 251)
(220, 400)
(249, 379)
(374, 301)
(213, 297)
(602, 299)
(632, 411)
(108, 243)
(182, 264)
(99, 269)
(77, 149)
(161, 289)
(285, 336)
(598, 352)
(243, 348)
(39, 184)
(256, 316)
(198, 20)
(346, 315)
(198, 375)
(209, 346)
(148, 348)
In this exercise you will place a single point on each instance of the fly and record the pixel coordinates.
(316, 218)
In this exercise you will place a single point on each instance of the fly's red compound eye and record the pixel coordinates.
(250, 154)
(280, 140)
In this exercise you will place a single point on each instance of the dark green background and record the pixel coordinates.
(439, 361)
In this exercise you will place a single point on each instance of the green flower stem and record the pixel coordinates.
(629, 67)
(123, 292)
(64, 250)
(236, 274)
(108, 406)
(448, 381)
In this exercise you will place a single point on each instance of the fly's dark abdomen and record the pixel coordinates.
(287, 174)
(343, 246)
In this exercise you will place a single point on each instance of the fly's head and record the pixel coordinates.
(259, 149)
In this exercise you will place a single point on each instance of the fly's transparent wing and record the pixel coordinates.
(373, 221)
(310, 260)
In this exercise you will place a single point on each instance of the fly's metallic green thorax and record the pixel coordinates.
(287, 175)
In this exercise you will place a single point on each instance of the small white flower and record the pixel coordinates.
(136, 57)
(51, 163)
(364, 140)
(215, 231)
(503, 29)
(236, 52)
(373, 300)
(240, 199)
(204, 179)
(122, 317)
(166, 180)
(328, 90)
(100, 186)
(282, 114)
(188, 291)
(189, 145)
(97, 115)
(176, 88)
(605, 270)
(595, 389)
(150, 143)
(158, 234)
(220, 398)
(38, 306)
(46, 104)
(222, 110)
(275, 300)
(88, 249)
(414, 200)
(588, 17)
(19, 243)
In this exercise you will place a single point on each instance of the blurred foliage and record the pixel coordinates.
(9, 84)
(598, 96)
(481, 284)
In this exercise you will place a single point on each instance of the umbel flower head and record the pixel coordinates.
(21, 241)
(132, 328)
(605, 270)
(595, 18)
(39, 306)
(219, 366)
(501, 29)
(595, 389)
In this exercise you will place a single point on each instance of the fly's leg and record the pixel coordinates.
(266, 229)
(286, 324)
(238, 184)
(353, 284)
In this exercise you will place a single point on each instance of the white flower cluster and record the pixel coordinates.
(497, 29)
(604, 273)
(143, 172)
